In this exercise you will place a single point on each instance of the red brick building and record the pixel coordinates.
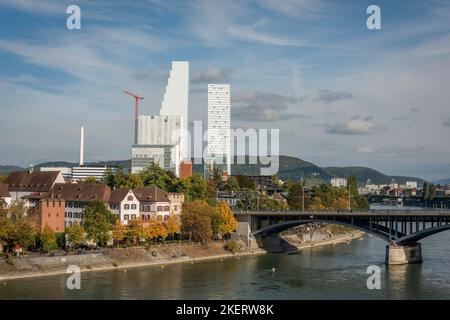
(185, 169)
(51, 212)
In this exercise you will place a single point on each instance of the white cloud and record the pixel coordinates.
(353, 127)
(364, 150)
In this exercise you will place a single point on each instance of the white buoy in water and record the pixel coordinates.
(273, 269)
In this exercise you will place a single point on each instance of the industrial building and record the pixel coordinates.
(162, 138)
(158, 142)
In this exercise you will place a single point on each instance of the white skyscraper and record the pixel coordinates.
(219, 149)
(176, 99)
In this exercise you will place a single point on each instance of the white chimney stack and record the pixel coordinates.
(82, 147)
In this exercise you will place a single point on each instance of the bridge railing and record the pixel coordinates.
(343, 211)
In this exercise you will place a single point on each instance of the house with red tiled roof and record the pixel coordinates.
(155, 202)
(23, 183)
(124, 204)
(76, 196)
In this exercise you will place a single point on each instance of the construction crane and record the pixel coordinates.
(136, 109)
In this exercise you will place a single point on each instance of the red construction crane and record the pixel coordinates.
(136, 109)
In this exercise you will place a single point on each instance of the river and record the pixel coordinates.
(331, 272)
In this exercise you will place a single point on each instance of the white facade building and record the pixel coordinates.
(219, 140)
(83, 172)
(339, 182)
(65, 171)
(124, 204)
(176, 100)
(158, 142)
(411, 184)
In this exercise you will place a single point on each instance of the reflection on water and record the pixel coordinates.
(331, 272)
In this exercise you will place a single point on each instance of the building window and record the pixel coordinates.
(159, 208)
(130, 198)
(133, 217)
(70, 204)
(126, 207)
(126, 217)
(166, 208)
(70, 214)
(49, 214)
(65, 214)
(133, 206)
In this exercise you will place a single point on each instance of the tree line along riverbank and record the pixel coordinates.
(35, 265)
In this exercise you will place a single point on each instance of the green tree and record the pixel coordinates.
(154, 175)
(352, 183)
(196, 188)
(75, 234)
(89, 180)
(432, 192)
(48, 239)
(120, 179)
(217, 177)
(248, 199)
(246, 182)
(16, 227)
(109, 178)
(425, 191)
(212, 192)
(232, 184)
(133, 181)
(98, 221)
(196, 220)
(295, 195)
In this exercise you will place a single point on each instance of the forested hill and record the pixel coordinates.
(289, 168)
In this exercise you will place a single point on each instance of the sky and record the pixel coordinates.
(341, 94)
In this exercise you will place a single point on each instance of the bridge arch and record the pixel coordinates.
(378, 231)
(416, 236)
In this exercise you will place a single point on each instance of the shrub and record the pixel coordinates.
(232, 246)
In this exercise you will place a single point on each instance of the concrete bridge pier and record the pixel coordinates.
(403, 254)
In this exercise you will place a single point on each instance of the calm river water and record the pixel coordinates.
(331, 272)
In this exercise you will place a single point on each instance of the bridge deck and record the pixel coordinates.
(367, 213)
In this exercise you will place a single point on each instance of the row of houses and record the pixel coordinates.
(59, 204)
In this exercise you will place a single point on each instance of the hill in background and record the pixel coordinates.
(289, 168)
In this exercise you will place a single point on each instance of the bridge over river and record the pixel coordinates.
(400, 228)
